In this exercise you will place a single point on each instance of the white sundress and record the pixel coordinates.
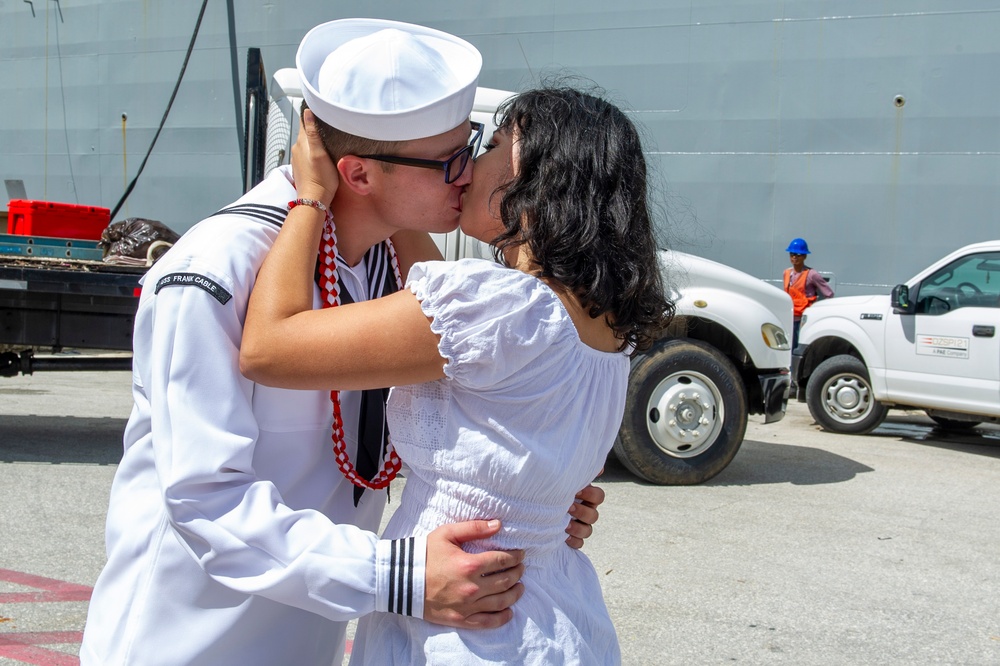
(522, 421)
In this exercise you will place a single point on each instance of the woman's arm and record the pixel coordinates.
(286, 343)
(414, 246)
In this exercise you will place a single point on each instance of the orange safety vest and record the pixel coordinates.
(797, 291)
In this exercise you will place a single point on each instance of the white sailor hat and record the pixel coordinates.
(387, 80)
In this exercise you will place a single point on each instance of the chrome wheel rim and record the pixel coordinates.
(684, 414)
(847, 398)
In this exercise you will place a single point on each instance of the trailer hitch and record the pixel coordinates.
(12, 363)
(26, 363)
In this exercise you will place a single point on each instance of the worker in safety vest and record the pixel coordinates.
(802, 283)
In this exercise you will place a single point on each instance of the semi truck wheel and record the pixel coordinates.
(840, 397)
(685, 414)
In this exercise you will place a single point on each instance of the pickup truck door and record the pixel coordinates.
(947, 354)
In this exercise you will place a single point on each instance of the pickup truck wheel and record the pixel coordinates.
(840, 398)
(953, 424)
(685, 414)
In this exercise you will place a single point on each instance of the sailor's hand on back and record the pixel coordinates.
(583, 514)
(470, 591)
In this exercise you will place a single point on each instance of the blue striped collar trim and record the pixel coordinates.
(270, 214)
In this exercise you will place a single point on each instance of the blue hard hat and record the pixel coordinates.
(798, 246)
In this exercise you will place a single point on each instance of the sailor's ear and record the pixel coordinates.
(355, 174)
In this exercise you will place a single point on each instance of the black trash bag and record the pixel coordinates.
(135, 240)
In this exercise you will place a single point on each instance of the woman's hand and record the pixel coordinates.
(315, 173)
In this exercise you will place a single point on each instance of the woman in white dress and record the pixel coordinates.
(510, 377)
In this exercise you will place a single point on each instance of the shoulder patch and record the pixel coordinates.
(194, 280)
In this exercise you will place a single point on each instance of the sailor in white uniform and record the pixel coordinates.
(232, 535)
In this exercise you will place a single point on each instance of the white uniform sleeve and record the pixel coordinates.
(233, 523)
(493, 321)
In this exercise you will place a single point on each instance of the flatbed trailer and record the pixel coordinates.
(58, 294)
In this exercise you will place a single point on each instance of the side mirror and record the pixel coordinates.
(900, 300)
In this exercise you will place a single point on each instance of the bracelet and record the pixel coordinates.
(312, 203)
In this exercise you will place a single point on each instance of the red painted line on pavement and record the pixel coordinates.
(40, 637)
(38, 582)
(23, 647)
(26, 647)
(52, 589)
(38, 597)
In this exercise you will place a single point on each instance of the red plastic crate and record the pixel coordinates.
(59, 220)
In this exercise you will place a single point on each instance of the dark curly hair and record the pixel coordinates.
(579, 202)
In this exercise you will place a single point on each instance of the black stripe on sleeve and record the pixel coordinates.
(401, 557)
(409, 586)
(392, 575)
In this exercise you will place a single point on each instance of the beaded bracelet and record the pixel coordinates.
(313, 203)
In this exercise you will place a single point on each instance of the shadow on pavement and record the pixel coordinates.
(61, 439)
(982, 440)
(761, 462)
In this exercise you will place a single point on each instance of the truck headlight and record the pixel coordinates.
(774, 337)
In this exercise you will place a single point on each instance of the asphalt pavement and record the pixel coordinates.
(810, 548)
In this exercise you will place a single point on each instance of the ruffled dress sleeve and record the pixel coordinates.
(493, 321)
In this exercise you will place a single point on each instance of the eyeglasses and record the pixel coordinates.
(453, 167)
(795, 254)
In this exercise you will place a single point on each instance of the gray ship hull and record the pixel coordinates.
(871, 129)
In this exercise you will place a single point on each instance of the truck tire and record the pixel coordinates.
(685, 414)
(953, 424)
(840, 397)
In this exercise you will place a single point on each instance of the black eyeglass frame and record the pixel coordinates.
(464, 154)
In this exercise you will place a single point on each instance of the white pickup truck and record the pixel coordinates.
(725, 356)
(932, 344)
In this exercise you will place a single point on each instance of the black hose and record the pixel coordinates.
(235, 67)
